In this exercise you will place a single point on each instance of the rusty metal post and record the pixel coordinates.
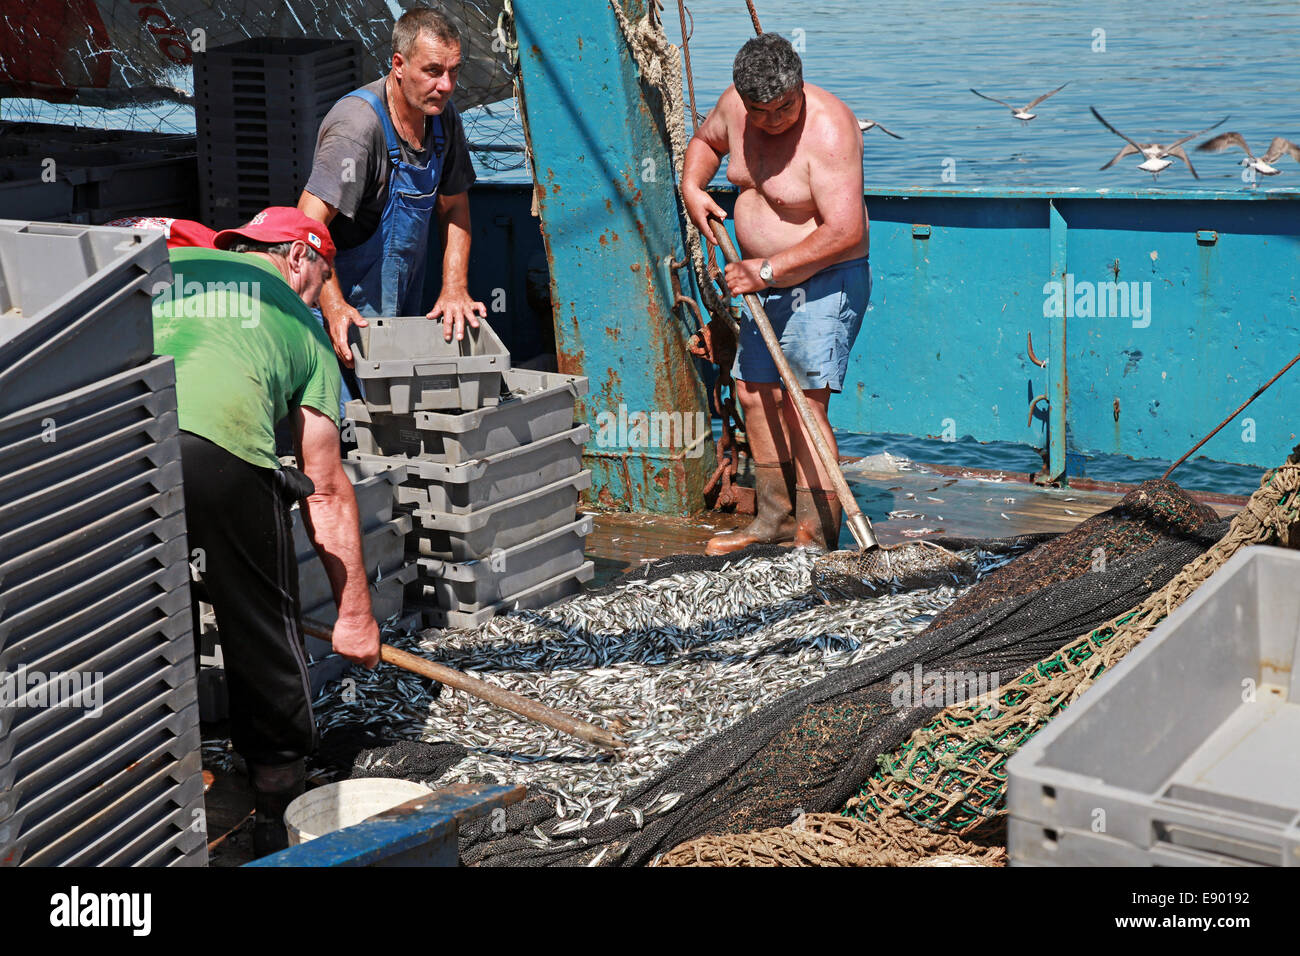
(607, 195)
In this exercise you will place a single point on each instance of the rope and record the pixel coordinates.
(828, 839)
(686, 56)
(1241, 408)
(753, 15)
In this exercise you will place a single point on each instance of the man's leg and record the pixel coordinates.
(817, 507)
(769, 448)
(239, 519)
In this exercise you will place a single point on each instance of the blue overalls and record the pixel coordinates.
(384, 276)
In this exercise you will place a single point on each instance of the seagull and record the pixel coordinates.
(865, 125)
(1154, 161)
(1261, 164)
(1021, 114)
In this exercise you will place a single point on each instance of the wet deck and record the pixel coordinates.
(923, 504)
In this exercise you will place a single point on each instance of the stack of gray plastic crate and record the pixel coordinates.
(258, 105)
(66, 174)
(99, 724)
(492, 475)
(1184, 754)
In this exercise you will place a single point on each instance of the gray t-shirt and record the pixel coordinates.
(358, 189)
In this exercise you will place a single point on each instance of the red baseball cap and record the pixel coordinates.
(281, 224)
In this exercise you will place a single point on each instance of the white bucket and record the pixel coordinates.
(344, 804)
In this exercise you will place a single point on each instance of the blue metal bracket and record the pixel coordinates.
(1058, 380)
(420, 832)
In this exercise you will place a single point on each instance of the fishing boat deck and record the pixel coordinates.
(945, 500)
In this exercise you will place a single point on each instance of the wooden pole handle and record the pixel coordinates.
(497, 696)
(857, 521)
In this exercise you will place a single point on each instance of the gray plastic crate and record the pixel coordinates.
(471, 536)
(376, 493)
(49, 598)
(146, 742)
(27, 578)
(540, 404)
(1185, 745)
(405, 365)
(473, 585)
(1043, 846)
(85, 414)
(125, 830)
(96, 605)
(159, 649)
(29, 833)
(433, 486)
(158, 677)
(136, 448)
(538, 596)
(386, 598)
(75, 305)
(384, 549)
(27, 522)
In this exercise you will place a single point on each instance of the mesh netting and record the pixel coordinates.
(809, 751)
(952, 772)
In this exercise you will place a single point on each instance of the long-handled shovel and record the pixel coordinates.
(912, 564)
(497, 696)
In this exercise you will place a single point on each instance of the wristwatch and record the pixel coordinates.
(765, 272)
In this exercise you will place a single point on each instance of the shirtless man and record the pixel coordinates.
(796, 155)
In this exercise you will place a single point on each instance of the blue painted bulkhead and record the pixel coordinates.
(959, 283)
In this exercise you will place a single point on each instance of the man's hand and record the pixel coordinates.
(700, 207)
(455, 307)
(357, 640)
(743, 276)
(340, 317)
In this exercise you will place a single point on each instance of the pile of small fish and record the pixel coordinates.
(665, 664)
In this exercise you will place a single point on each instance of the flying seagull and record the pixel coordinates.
(1154, 161)
(1021, 114)
(865, 125)
(1261, 164)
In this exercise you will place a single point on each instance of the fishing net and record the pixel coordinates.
(948, 779)
(829, 839)
(810, 751)
(353, 752)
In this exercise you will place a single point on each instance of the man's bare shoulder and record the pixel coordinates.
(829, 115)
(724, 116)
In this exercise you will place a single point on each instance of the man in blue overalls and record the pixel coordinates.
(387, 157)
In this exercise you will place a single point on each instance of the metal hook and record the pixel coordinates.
(1033, 405)
(1029, 339)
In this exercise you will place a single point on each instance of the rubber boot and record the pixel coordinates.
(274, 788)
(773, 511)
(817, 514)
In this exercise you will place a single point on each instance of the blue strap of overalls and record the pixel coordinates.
(390, 134)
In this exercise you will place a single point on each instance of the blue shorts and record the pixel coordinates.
(816, 323)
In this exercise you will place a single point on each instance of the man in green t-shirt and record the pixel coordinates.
(248, 352)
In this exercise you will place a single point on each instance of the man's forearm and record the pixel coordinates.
(334, 527)
(822, 247)
(454, 227)
(331, 295)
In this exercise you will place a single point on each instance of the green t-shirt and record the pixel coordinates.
(247, 349)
